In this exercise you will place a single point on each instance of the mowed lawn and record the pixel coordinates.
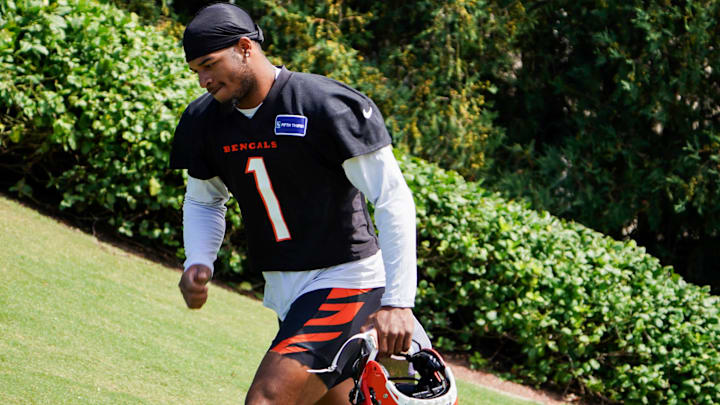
(83, 322)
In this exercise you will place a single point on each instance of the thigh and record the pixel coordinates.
(281, 380)
(339, 394)
(320, 322)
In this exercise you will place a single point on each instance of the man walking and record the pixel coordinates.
(300, 153)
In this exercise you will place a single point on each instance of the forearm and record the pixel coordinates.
(203, 221)
(395, 220)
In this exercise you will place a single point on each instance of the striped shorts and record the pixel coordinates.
(318, 324)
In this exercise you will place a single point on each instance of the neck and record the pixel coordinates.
(265, 77)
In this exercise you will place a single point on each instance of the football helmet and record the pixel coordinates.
(433, 383)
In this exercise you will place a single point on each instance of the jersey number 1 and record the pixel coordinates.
(256, 165)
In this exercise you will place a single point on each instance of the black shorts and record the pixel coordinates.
(318, 324)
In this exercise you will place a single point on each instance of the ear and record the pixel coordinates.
(244, 45)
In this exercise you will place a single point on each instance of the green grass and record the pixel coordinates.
(83, 322)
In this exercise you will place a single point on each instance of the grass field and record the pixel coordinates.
(83, 322)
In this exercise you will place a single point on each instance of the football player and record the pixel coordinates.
(300, 153)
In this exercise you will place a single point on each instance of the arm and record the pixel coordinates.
(377, 175)
(203, 231)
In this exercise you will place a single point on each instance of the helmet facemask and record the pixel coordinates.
(428, 381)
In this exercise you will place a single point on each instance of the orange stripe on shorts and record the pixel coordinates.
(346, 292)
(345, 313)
(283, 347)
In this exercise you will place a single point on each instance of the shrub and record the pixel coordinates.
(613, 121)
(561, 303)
(90, 100)
(445, 57)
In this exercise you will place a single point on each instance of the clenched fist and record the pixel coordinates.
(193, 285)
(394, 328)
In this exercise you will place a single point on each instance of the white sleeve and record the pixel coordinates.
(203, 220)
(378, 176)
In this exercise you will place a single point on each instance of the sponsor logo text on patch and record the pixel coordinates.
(293, 125)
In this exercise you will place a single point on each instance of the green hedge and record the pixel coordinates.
(612, 120)
(561, 303)
(89, 100)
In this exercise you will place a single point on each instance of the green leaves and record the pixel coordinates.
(97, 95)
(611, 120)
(569, 306)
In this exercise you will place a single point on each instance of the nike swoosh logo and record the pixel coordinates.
(367, 113)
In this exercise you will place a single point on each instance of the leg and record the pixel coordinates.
(337, 395)
(315, 328)
(281, 380)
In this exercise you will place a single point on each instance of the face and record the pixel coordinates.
(224, 74)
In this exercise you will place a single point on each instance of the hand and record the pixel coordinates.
(394, 328)
(193, 285)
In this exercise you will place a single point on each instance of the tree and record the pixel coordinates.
(614, 121)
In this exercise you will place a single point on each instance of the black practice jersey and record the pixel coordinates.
(284, 167)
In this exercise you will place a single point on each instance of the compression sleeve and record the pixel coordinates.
(203, 220)
(377, 175)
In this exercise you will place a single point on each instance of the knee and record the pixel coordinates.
(283, 381)
(263, 393)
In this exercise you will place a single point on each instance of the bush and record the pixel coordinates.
(445, 57)
(613, 121)
(559, 303)
(90, 100)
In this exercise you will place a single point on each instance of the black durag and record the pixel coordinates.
(216, 27)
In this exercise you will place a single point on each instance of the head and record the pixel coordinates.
(219, 43)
